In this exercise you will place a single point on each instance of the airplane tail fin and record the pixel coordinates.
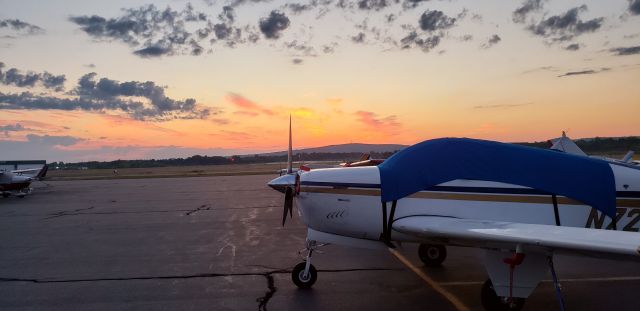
(365, 157)
(43, 172)
(290, 151)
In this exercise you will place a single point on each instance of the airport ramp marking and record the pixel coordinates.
(433, 284)
(568, 280)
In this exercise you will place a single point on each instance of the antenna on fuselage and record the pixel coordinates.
(290, 151)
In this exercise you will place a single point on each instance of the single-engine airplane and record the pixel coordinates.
(523, 205)
(18, 182)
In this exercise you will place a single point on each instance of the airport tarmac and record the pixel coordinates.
(216, 243)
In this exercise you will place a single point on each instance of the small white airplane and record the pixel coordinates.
(18, 182)
(523, 205)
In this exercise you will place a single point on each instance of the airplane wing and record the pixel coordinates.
(491, 234)
(30, 170)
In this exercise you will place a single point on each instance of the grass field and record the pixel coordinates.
(191, 171)
(163, 172)
(174, 171)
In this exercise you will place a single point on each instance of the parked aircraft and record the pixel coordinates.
(18, 182)
(523, 205)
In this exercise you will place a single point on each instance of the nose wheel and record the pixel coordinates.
(432, 255)
(302, 277)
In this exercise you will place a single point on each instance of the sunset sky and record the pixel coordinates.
(103, 80)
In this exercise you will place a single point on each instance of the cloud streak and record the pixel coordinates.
(372, 121)
(248, 107)
(624, 51)
(21, 27)
(583, 72)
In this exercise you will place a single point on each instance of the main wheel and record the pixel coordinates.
(5, 194)
(432, 255)
(297, 275)
(492, 302)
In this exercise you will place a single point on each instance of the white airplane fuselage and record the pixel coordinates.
(13, 182)
(346, 202)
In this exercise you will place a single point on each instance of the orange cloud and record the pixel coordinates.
(246, 113)
(247, 106)
(389, 124)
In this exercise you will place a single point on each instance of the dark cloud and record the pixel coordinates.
(227, 15)
(301, 48)
(14, 77)
(359, 38)
(297, 8)
(466, 37)
(435, 20)
(155, 32)
(584, 72)
(528, 6)
(390, 18)
(297, 61)
(274, 24)
(493, 40)
(21, 26)
(153, 51)
(106, 95)
(12, 128)
(565, 26)
(329, 48)
(53, 140)
(572, 47)
(373, 4)
(412, 4)
(634, 7)
(414, 40)
(622, 51)
(237, 3)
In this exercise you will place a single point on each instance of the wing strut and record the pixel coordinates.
(387, 223)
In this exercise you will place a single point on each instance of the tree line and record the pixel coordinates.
(595, 146)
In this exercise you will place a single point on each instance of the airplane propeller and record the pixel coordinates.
(289, 194)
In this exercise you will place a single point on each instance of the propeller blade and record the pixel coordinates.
(288, 204)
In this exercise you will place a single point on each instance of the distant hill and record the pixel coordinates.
(343, 148)
(609, 146)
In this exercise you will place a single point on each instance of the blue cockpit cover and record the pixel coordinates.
(433, 162)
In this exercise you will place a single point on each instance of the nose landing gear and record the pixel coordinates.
(304, 274)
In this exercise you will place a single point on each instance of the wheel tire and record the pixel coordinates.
(5, 195)
(432, 255)
(492, 302)
(297, 276)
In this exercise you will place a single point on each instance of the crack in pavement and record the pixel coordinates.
(68, 213)
(262, 301)
(204, 207)
(76, 212)
(186, 276)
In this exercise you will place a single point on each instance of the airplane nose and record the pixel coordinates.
(281, 183)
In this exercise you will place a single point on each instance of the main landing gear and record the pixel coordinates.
(304, 274)
(432, 255)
